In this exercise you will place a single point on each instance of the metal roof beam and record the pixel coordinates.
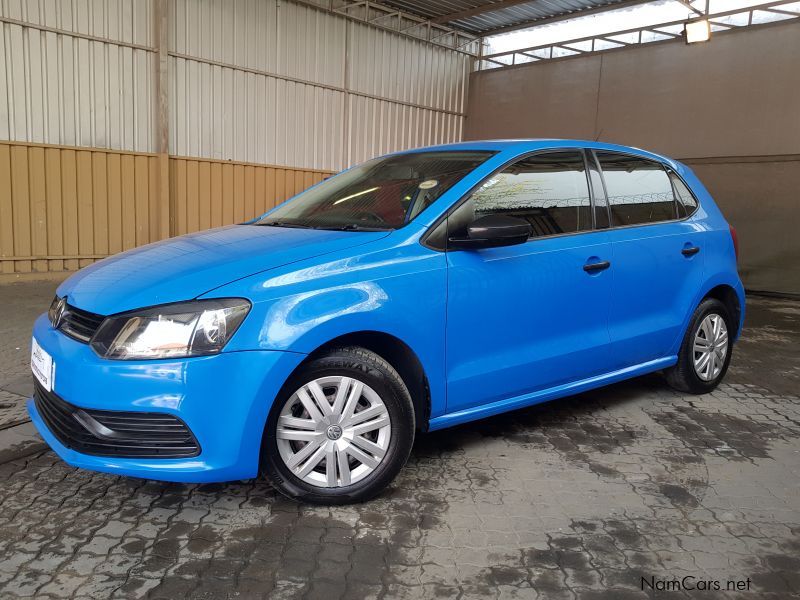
(506, 57)
(688, 5)
(396, 21)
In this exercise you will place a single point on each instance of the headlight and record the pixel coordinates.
(180, 330)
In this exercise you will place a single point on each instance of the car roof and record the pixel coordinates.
(533, 144)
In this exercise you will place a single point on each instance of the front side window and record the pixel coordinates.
(638, 189)
(548, 190)
(384, 193)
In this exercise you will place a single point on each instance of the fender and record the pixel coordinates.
(717, 279)
(400, 292)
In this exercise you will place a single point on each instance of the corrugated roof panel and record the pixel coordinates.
(495, 15)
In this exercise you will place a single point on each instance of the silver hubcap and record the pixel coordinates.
(333, 431)
(710, 347)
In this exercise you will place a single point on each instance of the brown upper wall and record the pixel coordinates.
(737, 95)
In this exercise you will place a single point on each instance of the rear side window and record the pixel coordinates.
(549, 190)
(687, 203)
(639, 190)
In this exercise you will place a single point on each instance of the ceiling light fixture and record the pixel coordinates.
(698, 30)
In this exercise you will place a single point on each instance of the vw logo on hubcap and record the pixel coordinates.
(333, 431)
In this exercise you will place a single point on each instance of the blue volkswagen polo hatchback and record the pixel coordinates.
(413, 292)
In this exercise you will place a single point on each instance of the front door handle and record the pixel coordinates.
(598, 266)
(690, 251)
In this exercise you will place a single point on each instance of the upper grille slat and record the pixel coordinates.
(79, 324)
(77, 328)
(136, 434)
(81, 316)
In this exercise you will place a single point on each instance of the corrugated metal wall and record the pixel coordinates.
(91, 86)
(262, 81)
(62, 208)
(209, 193)
(288, 84)
(251, 84)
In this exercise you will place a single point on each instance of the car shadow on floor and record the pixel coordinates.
(563, 414)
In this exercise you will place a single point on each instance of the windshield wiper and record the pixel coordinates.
(345, 227)
(286, 224)
(355, 227)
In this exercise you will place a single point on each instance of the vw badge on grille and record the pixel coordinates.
(58, 316)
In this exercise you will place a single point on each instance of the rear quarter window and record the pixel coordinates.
(686, 202)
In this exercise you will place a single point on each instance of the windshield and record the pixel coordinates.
(384, 193)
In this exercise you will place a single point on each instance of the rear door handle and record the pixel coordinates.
(598, 266)
(691, 251)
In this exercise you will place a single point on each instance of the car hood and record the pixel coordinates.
(185, 267)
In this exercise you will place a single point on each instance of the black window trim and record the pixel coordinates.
(586, 152)
(583, 150)
(457, 204)
(666, 169)
(671, 171)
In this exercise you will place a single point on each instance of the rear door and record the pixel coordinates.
(657, 258)
(532, 316)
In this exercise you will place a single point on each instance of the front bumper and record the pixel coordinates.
(224, 400)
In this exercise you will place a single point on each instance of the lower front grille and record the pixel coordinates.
(115, 433)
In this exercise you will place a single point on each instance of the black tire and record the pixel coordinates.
(683, 376)
(371, 369)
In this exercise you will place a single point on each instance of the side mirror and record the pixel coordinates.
(493, 231)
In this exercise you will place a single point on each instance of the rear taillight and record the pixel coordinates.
(735, 241)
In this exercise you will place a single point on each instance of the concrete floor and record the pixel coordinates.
(579, 498)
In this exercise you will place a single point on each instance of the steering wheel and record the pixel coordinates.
(371, 216)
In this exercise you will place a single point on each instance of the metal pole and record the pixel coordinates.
(161, 35)
(347, 136)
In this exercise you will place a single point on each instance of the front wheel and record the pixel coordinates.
(706, 350)
(340, 430)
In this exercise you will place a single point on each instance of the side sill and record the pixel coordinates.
(495, 408)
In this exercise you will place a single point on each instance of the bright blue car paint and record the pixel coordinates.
(216, 395)
(564, 331)
(547, 325)
(186, 267)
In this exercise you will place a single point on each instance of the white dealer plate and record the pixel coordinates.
(42, 365)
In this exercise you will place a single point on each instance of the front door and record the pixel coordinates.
(533, 316)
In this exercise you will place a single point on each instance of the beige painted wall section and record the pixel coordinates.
(730, 108)
(207, 193)
(62, 208)
(552, 99)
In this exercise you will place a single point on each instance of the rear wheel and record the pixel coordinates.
(340, 430)
(706, 350)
